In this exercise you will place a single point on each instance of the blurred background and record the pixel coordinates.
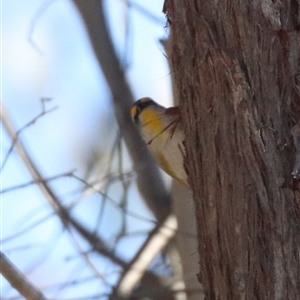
(56, 97)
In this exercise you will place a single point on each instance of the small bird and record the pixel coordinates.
(162, 130)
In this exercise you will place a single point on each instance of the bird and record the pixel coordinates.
(163, 132)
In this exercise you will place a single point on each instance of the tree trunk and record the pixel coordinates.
(236, 66)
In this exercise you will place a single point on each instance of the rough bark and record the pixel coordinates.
(236, 65)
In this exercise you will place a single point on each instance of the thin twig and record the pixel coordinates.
(130, 212)
(87, 259)
(38, 14)
(114, 202)
(24, 185)
(24, 230)
(18, 132)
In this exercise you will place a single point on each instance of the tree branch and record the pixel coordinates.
(148, 177)
(155, 243)
(97, 244)
(95, 241)
(24, 185)
(15, 138)
(18, 280)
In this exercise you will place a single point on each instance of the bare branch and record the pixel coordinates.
(88, 261)
(155, 243)
(94, 240)
(97, 244)
(129, 212)
(18, 280)
(123, 209)
(155, 194)
(24, 185)
(18, 132)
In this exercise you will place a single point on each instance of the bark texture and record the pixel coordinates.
(237, 68)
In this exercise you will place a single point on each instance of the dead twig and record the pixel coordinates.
(18, 132)
(24, 185)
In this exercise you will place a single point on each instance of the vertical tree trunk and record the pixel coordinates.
(237, 68)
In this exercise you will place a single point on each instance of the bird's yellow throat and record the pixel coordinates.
(151, 120)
